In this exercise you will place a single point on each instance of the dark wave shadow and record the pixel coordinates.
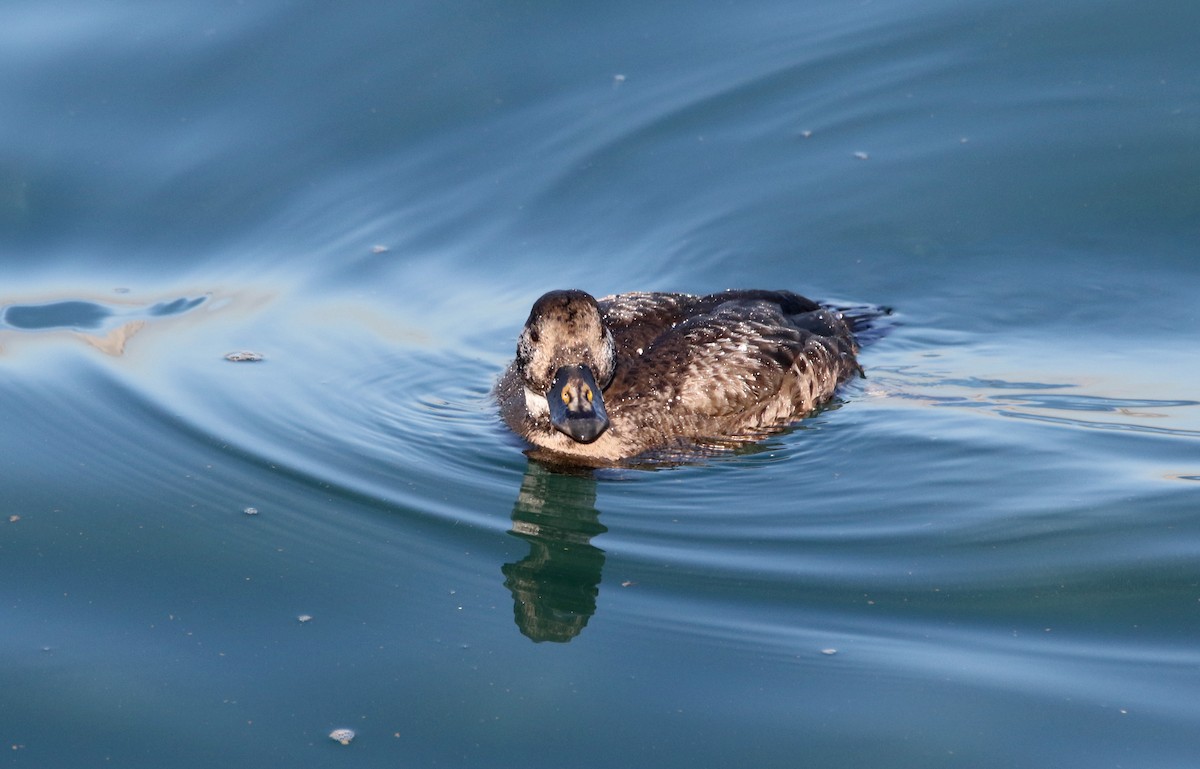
(554, 587)
(81, 315)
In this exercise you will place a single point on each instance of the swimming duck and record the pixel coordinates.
(597, 382)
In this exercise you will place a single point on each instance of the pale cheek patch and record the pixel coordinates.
(536, 404)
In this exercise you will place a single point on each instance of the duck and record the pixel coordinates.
(607, 381)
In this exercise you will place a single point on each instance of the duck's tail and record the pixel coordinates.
(868, 322)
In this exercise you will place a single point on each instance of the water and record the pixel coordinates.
(985, 554)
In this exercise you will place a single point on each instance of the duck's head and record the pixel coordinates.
(566, 358)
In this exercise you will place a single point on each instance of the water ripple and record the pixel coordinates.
(1032, 401)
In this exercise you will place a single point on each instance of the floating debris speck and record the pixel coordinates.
(829, 652)
(806, 134)
(379, 249)
(304, 618)
(14, 518)
(342, 735)
(244, 356)
(861, 155)
(251, 511)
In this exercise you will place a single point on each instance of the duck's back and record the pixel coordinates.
(725, 365)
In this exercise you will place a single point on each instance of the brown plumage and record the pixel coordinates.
(599, 382)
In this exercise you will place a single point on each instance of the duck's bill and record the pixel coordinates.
(576, 404)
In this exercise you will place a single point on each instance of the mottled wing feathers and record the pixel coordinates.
(739, 353)
(724, 362)
(637, 319)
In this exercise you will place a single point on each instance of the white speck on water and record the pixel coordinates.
(244, 356)
(343, 736)
(379, 249)
(806, 134)
(861, 155)
(251, 511)
(304, 618)
(829, 652)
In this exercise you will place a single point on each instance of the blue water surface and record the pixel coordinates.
(984, 554)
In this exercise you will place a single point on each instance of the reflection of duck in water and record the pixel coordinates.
(554, 587)
(597, 382)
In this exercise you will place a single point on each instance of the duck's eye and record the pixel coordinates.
(566, 395)
(587, 393)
